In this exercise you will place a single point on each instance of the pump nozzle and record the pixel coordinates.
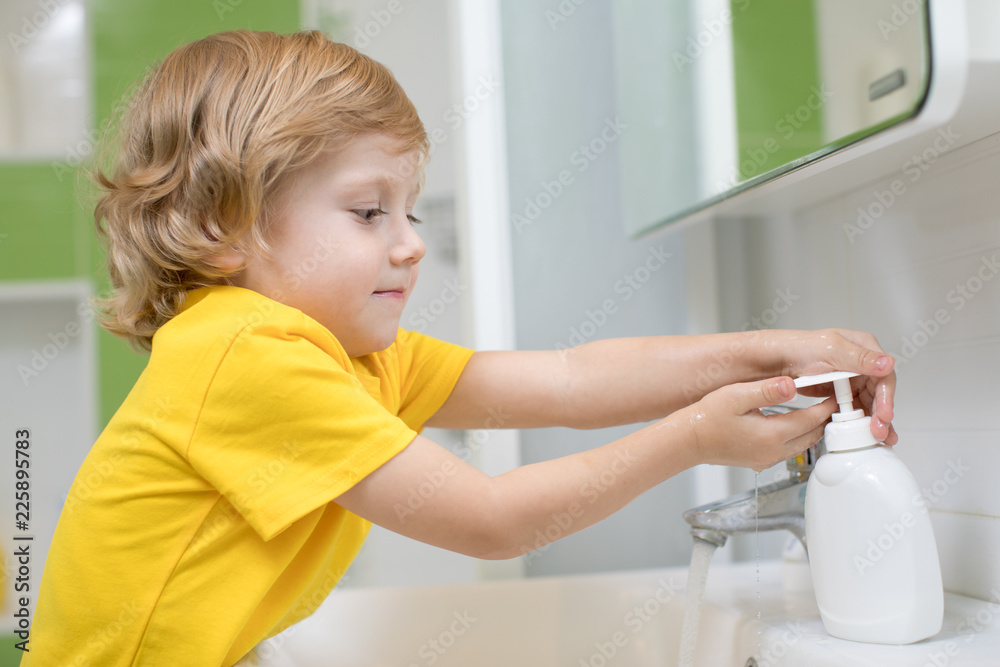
(843, 436)
(834, 376)
(845, 397)
(842, 388)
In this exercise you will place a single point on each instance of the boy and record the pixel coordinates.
(261, 243)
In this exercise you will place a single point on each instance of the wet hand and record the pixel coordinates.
(813, 352)
(729, 429)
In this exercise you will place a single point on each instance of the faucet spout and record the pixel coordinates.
(776, 506)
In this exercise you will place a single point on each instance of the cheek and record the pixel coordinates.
(310, 253)
(350, 274)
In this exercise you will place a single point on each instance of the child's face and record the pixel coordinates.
(344, 250)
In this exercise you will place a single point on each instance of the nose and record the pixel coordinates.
(407, 246)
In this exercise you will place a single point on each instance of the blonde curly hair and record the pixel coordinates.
(200, 145)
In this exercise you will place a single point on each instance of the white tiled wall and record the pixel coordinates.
(923, 276)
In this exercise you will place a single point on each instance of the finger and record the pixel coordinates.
(799, 422)
(867, 359)
(798, 445)
(892, 438)
(763, 393)
(817, 390)
(884, 431)
(795, 446)
(876, 400)
(880, 429)
(885, 391)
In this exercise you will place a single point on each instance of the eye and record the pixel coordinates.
(369, 214)
(413, 220)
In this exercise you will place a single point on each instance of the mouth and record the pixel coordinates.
(397, 292)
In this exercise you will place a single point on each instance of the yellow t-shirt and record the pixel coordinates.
(201, 522)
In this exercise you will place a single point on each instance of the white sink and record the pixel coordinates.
(631, 619)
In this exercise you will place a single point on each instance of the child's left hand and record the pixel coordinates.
(631, 380)
(812, 352)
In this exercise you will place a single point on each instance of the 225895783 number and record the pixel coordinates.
(22, 474)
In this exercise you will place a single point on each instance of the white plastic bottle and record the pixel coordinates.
(872, 553)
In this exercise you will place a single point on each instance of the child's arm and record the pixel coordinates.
(630, 380)
(521, 510)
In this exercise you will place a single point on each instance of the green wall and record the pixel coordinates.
(46, 225)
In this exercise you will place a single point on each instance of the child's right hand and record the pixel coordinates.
(729, 429)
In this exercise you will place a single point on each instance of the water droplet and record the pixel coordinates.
(756, 522)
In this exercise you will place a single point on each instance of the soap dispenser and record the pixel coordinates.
(872, 553)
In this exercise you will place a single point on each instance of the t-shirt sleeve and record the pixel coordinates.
(285, 428)
(429, 370)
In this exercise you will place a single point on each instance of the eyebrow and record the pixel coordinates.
(380, 181)
(365, 181)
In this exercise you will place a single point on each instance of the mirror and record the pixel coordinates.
(717, 96)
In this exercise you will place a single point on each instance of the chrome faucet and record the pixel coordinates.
(776, 506)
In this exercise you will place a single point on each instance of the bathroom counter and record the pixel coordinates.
(629, 618)
(792, 633)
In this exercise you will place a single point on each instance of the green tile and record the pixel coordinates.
(37, 231)
(46, 225)
(130, 35)
(10, 656)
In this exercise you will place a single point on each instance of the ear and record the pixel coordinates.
(229, 260)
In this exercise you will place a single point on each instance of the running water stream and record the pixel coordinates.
(701, 556)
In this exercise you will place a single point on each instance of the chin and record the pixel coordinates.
(376, 343)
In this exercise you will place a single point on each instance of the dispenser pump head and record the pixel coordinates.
(842, 388)
(845, 397)
(841, 436)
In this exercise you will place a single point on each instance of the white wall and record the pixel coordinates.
(922, 276)
(572, 256)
